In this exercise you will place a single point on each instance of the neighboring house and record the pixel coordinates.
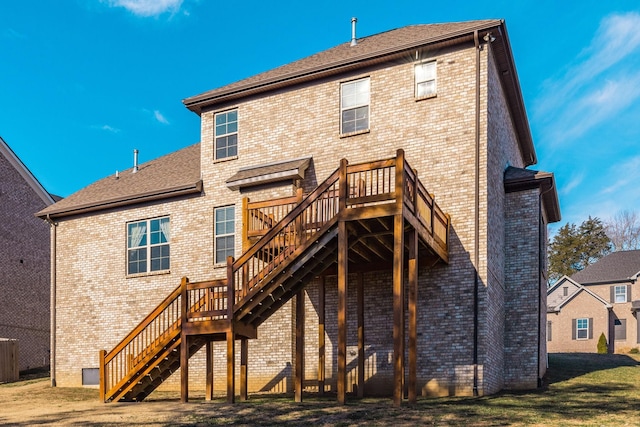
(604, 298)
(420, 112)
(24, 261)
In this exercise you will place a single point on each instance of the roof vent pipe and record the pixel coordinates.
(353, 31)
(135, 161)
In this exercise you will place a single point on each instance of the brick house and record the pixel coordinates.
(24, 261)
(416, 261)
(601, 299)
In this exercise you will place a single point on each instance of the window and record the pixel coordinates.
(425, 79)
(620, 293)
(620, 329)
(549, 324)
(582, 329)
(565, 291)
(226, 138)
(354, 106)
(224, 233)
(148, 245)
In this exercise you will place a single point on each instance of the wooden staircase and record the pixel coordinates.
(292, 249)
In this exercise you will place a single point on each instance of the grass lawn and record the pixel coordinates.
(580, 390)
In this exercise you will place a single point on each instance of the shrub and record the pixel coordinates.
(602, 344)
(634, 350)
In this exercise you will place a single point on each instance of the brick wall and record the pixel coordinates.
(24, 269)
(523, 291)
(438, 137)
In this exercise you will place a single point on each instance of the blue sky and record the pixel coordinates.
(84, 82)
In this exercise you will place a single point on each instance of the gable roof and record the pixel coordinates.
(519, 179)
(25, 173)
(557, 304)
(622, 266)
(175, 174)
(380, 48)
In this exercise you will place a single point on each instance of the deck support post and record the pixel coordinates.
(231, 350)
(343, 271)
(413, 315)
(321, 336)
(398, 310)
(184, 344)
(209, 371)
(231, 362)
(244, 362)
(299, 367)
(361, 355)
(398, 282)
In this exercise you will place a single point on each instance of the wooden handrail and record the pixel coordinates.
(143, 324)
(276, 229)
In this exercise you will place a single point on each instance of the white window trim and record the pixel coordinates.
(417, 82)
(216, 236)
(356, 106)
(216, 136)
(615, 294)
(147, 247)
(578, 328)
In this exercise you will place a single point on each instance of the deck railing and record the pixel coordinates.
(367, 183)
(287, 223)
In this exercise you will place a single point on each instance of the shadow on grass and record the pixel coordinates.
(565, 366)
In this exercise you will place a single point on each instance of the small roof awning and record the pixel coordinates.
(267, 173)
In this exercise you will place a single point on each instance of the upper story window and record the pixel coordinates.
(354, 106)
(148, 245)
(224, 231)
(620, 293)
(425, 79)
(226, 134)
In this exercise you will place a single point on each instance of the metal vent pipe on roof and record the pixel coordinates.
(353, 31)
(135, 161)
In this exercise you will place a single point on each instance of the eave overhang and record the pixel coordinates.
(166, 193)
(528, 180)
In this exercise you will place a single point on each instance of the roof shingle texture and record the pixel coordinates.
(367, 47)
(174, 170)
(615, 267)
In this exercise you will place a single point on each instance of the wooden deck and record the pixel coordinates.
(362, 217)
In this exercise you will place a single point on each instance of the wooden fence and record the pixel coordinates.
(8, 360)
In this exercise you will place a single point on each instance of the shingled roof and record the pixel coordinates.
(623, 266)
(379, 48)
(175, 174)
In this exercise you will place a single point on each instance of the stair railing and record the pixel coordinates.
(274, 249)
(163, 322)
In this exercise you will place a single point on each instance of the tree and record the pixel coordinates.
(602, 344)
(624, 230)
(573, 248)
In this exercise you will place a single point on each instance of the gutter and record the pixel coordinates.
(52, 339)
(124, 201)
(476, 243)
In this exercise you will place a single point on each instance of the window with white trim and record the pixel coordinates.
(582, 328)
(148, 247)
(425, 75)
(354, 106)
(620, 293)
(224, 231)
(226, 134)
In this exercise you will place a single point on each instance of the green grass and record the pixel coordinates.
(580, 389)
